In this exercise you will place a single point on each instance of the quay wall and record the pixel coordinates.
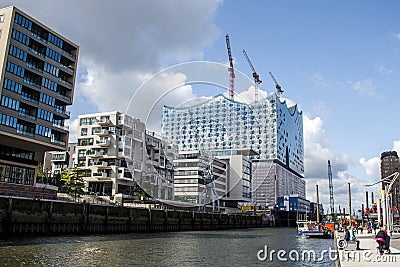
(20, 216)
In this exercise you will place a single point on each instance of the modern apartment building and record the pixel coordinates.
(158, 167)
(199, 178)
(37, 77)
(272, 180)
(111, 150)
(269, 127)
(56, 161)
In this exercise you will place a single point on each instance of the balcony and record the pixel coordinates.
(68, 55)
(58, 157)
(34, 68)
(66, 98)
(101, 164)
(66, 113)
(30, 99)
(65, 128)
(39, 38)
(58, 142)
(65, 83)
(103, 143)
(36, 53)
(102, 132)
(100, 175)
(27, 81)
(93, 153)
(104, 121)
(23, 114)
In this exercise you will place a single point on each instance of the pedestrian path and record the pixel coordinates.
(368, 255)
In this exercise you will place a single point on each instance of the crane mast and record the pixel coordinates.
(256, 77)
(279, 90)
(331, 202)
(231, 69)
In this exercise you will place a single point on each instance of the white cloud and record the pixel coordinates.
(73, 127)
(319, 81)
(249, 95)
(372, 167)
(365, 87)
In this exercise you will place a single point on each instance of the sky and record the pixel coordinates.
(338, 60)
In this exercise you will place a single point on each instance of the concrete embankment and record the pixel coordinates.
(19, 216)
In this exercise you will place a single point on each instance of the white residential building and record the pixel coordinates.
(111, 150)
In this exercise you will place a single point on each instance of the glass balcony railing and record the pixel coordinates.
(67, 112)
(27, 81)
(65, 128)
(28, 98)
(25, 115)
(36, 52)
(23, 132)
(68, 55)
(65, 83)
(33, 67)
(38, 37)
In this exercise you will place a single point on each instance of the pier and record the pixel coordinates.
(21, 216)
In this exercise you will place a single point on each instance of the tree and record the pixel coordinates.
(73, 181)
(41, 175)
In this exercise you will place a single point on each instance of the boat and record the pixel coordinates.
(311, 229)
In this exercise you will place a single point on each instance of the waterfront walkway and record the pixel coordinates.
(368, 254)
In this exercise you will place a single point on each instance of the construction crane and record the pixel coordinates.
(331, 202)
(279, 90)
(256, 78)
(231, 69)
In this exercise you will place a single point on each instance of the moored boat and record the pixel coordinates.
(312, 230)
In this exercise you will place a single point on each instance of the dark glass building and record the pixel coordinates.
(37, 77)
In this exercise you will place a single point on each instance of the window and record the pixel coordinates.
(1, 18)
(83, 131)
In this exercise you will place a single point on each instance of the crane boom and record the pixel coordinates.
(277, 86)
(256, 77)
(231, 69)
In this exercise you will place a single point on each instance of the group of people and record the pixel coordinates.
(382, 238)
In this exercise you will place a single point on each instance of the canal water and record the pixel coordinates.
(210, 248)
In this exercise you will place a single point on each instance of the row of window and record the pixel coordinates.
(16, 174)
(18, 53)
(51, 69)
(9, 103)
(46, 99)
(20, 37)
(6, 151)
(15, 69)
(43, 131)
(24, 22)
(12, 86)
(49, 84)
(8, 120)
(53, 55)
(55, 40)
(45, 115)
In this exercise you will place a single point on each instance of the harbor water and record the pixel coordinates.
(241, 247)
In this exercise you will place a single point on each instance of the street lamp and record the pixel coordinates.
(387, 183)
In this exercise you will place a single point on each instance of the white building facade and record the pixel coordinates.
(111, 151)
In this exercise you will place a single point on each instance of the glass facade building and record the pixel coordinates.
(37, 77)
(268, 127)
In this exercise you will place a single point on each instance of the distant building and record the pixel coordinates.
(269, 127)
(294, 203)
(271, 180)
(56, 161)
(199, 178)
(37, 77)
(390, 164)
(159, 168)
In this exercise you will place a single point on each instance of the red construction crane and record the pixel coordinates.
(279, 90)
(256, 78)
(231, 69)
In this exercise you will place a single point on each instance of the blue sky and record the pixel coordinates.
(338, 60)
